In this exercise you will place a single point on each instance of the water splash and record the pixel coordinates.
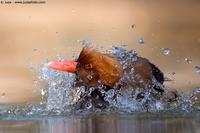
(65, 95)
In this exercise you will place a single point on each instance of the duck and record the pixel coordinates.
(93, 68)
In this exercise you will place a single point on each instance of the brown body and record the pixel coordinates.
(94, 67)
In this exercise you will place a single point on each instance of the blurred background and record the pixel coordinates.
(32, 33)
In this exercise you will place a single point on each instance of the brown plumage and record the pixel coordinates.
(94, 67)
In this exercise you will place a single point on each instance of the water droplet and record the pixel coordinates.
(88, 105)
(3, 95)
(141, 41)
(35, 49)
(9, 111)
(197, 69)
(173, 73)
(159, 105)
(132, 70)
(133, 26)
(196, 98)
(86, 43)
(42, 91)
(91, 89)
(99, 81)
(188, 61)
(35, 81)
(58, 56)
(100, 87)
(166, 51)
(89, 77)
(73, 10)
(53, 83)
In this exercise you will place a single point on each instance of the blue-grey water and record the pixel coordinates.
(138, 123)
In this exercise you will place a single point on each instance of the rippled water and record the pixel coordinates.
(141, 123)
(61, 96)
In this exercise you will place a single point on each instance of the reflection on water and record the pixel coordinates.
(105, 124)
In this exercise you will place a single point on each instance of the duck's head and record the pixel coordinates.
(92, 67)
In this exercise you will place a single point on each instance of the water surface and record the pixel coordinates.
(105, 123)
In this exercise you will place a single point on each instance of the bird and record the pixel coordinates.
(93, 68)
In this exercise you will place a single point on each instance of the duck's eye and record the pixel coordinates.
(88, 66)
